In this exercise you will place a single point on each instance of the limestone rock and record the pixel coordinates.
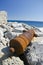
(13, 61)
(3, 17)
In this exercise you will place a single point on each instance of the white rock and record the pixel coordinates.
(13, 61)
(26, 26)
(3, 17)
(1, 35)
(15, 24)
(14, 34)
(3, 41)
(10, 35)
(20, 28)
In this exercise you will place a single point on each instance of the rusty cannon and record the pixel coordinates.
(20, 43)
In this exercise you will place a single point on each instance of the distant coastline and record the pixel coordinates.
(32, 23)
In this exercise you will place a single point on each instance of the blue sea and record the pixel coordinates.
(32, 23)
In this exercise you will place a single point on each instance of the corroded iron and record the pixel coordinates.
(20, 43)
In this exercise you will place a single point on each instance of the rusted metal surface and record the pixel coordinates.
(20, 43)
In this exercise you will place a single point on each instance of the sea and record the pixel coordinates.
(32, 23)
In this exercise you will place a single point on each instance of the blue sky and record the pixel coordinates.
(23, 9)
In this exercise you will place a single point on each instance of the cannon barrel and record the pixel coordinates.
(20, 43)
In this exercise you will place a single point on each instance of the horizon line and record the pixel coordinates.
(24, 20)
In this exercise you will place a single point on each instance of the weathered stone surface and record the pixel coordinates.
(12, 61)
(34, 53)
(3, 17)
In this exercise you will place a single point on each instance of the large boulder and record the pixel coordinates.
(3, 17)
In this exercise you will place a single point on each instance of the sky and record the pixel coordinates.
(23, 9)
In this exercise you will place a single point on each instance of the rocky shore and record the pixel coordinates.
(8, 31)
